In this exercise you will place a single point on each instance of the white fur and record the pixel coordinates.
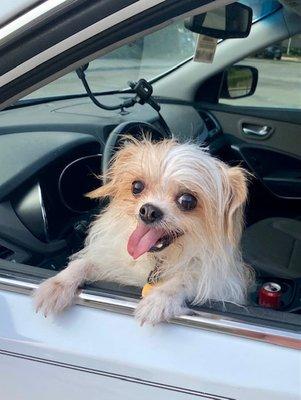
(205, 263)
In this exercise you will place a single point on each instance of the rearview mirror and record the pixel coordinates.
(230, 21)
(239, 81)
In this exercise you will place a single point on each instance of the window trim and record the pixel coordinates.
(201, 320)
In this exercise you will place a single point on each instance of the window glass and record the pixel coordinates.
(279, 76)
(146, 58)
(261, 8)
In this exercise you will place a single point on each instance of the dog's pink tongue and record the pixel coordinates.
(143, 239)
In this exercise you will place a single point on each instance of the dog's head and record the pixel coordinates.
(177, 195)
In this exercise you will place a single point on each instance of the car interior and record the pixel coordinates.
(53, 149)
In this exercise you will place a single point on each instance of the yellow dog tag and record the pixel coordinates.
(147, 288)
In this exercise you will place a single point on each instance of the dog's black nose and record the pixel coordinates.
(150, 213)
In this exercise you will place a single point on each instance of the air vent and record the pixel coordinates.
(5, 252)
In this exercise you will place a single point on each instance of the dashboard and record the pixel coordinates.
(34, 218)
(51, 155)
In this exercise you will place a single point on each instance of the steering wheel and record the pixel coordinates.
(136, 129)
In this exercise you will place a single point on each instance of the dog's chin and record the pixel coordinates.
(164, 242)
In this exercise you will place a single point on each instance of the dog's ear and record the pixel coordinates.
(107, 190)
(117, 172)
(237, 197)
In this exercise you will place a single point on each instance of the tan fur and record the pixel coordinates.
(237, 198)
(203, 263)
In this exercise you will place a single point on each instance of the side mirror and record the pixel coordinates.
(226, 22)
(239, 81)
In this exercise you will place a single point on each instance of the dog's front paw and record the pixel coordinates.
(158, 307)
(53, 296)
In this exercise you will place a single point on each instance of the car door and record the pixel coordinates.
(96, 349)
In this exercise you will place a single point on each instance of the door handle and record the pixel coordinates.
(256, 130)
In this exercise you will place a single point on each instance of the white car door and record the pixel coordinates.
(97, 349)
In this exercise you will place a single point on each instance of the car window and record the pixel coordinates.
(148, 57)
(279, 76)
(261, 8)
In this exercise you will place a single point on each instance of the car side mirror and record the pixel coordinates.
(226, 22)
(239, 81)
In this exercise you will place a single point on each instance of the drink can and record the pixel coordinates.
(270, 295)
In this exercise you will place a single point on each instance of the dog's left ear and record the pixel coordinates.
(237, 197)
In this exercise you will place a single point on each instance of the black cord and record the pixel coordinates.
(144, 92)
(142, 88)
(126, 104)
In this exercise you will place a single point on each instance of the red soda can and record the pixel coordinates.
(270, 295)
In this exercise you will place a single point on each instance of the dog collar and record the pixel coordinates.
(152, 280)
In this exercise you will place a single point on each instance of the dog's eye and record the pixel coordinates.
(137, 187)
(186, 202)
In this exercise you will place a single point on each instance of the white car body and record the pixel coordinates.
(102, 352)
(96, 350)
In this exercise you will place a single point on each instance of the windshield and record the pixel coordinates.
(148, 57)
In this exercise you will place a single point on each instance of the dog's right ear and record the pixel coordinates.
(115, 173)
(107, 190)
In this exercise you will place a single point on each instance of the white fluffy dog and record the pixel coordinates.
(174, 221)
